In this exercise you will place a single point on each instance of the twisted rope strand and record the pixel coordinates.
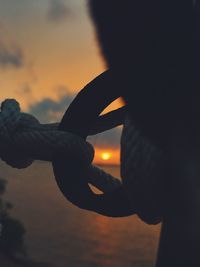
(23, 139)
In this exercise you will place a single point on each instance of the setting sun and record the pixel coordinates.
(106, 155)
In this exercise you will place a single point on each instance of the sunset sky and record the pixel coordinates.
(48, 52)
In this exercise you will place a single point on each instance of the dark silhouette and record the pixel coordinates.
(148, 43)
(11, 230)
(152, 51)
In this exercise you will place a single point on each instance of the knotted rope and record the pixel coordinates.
(122, 199)
(23, 139)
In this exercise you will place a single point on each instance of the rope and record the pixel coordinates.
(23, 139)
(141, 172)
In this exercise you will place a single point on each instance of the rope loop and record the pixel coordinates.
(137, 193)
(24, 139)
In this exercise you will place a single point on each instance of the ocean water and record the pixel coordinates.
(64, 236)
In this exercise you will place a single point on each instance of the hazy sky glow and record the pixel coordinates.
(48, 52)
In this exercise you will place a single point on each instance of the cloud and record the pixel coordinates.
(58, 11)
(109, 138)
(49, 110)
(11, 56)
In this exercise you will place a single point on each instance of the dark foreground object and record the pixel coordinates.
(153, 48)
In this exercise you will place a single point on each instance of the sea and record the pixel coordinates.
(63, 235)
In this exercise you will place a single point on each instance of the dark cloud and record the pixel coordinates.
(49, 110)
(11, 56)
(109, 138)
(58, 11)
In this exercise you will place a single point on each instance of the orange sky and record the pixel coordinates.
(59, 50)
(55, 53)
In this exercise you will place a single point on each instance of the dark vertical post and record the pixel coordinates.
(179, 243)
(180, 234)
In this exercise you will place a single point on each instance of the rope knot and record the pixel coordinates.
(10, 120)
(23, 139)
(9, 117)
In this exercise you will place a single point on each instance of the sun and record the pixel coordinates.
(106, 156)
